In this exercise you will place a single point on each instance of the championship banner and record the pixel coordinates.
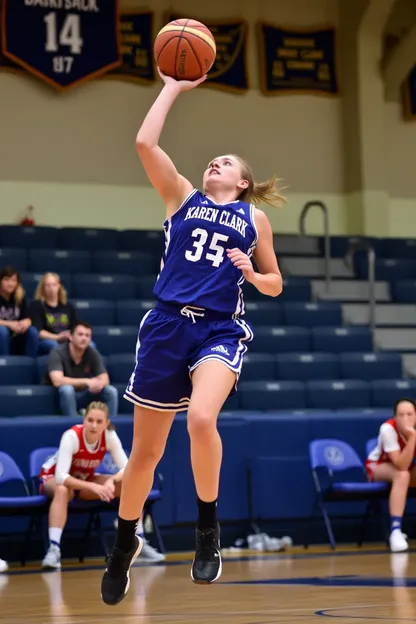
(297, 61)
(5, 63)
(409, 96)
(136, 40)
(62, 42)
(230, 69)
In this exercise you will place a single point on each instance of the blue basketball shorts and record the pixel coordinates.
(171, 343)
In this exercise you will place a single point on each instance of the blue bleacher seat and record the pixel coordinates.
(258, 366)
(339, 245)
(27, 401)
(296, 289)
(127, 262)
(337, 394)
(31, 280)
(110, 340)
(368, 366)
(399, 248)
(325, 314)
(341, 339)
(272, 395)
(144, 287)
(404, 291)
(124, 406)
(29, 237)
(281, 339)
(264, 313)
(88, 238)
(13, 256)
(17, 370)
(120, 367)
(110, 287)
(58, 261)
(142, 240)
(307, 366)
(95, 311)
(132, 311)
(41, 368)
(386, 391)
(389, 270)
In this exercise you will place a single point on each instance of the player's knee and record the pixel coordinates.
(201, 422)
(146, 456)
(402, 477)
(62, 493)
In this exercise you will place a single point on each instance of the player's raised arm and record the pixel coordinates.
(162, 173)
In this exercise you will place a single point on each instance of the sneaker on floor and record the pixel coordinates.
(207, 564)
(4, 566)
(148, 553)
(52, 559)
(116, 579)
(398, 541)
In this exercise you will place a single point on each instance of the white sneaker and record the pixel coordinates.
(52, 560)
(151, 554)
(398, 541)
(4, 566)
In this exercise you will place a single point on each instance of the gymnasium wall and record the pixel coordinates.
(72, 156)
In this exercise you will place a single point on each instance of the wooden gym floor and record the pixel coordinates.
(368, 586)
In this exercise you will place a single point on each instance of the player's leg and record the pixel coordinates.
(58, 513)
(151, 430)
(400, 481)
(212, 382)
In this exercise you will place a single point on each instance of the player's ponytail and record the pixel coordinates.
(269, 191)
(103, 407)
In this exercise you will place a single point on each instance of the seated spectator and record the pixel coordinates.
(393, 461)
(4, 566)
(17, 336)
(51, 313)
(71, 472)
(78, 372)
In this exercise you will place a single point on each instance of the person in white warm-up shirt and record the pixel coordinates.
(72, 471)
(393, 461)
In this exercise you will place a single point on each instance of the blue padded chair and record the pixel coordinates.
(21, 503)
(111, 339)
(342, 339)
(120, 367)
(27, 401)
(59, 261)
(323, 314)
(88, 238)
(272, 395)
(17, 370)
(329, 458)
(13, 256)
(370, 446)
(144, 287)
(399, 248)
(96, 311)
(338, 394)
(307, 366)
(296, 289)
(110, 287)
(371, 366)
(258, 367)
(405, 291)
(385, 392)
(281, 339)
(29, 237)
(125, 262)
(142, 240)
(259, 313)
(132, 311)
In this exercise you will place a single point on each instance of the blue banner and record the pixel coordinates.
(298, 61)
(230, 69)
(409, 96)
(62, 42)
(136, 40)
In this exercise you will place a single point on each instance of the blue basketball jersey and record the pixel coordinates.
(195, 268)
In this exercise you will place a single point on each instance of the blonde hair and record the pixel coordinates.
(103, 407)
(269, 191)
(40, 289)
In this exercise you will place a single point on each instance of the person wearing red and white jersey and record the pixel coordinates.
(72, 470)
(393, 461)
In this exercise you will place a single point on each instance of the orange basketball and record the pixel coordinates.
(185, 49)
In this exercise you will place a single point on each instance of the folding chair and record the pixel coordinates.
(330, 456)
(25, 504)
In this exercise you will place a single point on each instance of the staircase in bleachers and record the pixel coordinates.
(313, 349)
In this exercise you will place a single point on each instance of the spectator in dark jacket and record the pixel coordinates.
(51, 313)
(17, 336)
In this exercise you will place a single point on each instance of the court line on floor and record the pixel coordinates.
(344, 615)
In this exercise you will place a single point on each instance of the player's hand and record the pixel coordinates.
(410, 432)
(181, 85)
(242, 262)
(102, 492)
(110, 485)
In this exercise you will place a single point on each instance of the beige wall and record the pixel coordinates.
(73, 155)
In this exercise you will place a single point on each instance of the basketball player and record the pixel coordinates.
(72, 470)
(393, 461)
(190, 346)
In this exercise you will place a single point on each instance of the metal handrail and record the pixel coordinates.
(362, 245)
(327, 239)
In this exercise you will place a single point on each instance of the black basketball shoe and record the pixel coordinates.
(116, 580)
(207, 565)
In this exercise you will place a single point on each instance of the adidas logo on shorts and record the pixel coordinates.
(221, 349)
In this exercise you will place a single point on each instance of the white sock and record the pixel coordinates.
(139, 530)
(55, 536)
